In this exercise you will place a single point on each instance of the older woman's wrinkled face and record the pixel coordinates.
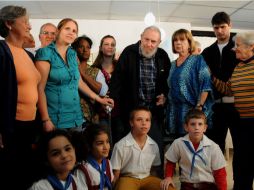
(181, 44)
(243, 51)
(21, 27)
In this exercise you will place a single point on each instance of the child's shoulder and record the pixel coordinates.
(42, 184)
(180, 140)
(150, 141)
(207, 141)
(128, 139)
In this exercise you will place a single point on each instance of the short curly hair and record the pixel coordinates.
(75, 44)
(9, 14)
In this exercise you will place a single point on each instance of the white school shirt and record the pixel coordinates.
(212, 154)
(131, 160)
(104, 87)
(93, 174)
(44, 184)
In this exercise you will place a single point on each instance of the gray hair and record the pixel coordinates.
(197, 44)
(9, 14)
(44, 25)
(246, 37)
(154, 28)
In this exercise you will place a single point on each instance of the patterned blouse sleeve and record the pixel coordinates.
(204, 75)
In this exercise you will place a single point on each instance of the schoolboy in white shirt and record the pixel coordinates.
(200, 159)
(135, 157)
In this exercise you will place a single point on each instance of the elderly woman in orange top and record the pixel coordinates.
(19, 96)
(241, 86)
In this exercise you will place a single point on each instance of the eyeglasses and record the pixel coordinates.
(48, 33)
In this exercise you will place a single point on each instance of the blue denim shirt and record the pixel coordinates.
(61, 89)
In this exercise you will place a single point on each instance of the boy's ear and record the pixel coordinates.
(205, 127)
(230, 25)
(131, 123)
(185, 126)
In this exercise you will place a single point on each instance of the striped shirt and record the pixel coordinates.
(242, 86)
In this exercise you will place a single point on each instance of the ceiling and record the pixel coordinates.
(198, 13)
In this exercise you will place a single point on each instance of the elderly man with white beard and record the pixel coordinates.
(140, 79)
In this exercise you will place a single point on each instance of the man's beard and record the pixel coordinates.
(148, 55)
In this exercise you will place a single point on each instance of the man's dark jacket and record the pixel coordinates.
(124, 85)
(223, 66)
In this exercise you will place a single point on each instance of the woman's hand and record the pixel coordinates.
(48, 126)
(106, 101)
(199, 107)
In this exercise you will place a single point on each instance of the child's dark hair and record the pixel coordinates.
(220, 18)
(43, 147)
(84, 141)
(139, 108)
(195, 114)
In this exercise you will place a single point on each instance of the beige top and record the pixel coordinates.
(131, 160)
(27, 78)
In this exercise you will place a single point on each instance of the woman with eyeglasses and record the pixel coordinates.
(19, 95)
(241, 87)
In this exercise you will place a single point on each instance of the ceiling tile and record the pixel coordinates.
(243, 15)
(198, 13)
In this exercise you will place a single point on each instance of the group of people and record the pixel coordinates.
(194, 94)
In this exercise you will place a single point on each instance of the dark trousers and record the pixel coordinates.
(17, 159)
(225, 117)
(244, 155)
(198, 186)
(117, 129)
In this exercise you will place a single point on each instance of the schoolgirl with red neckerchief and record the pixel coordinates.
(59, 157)
(94, 169)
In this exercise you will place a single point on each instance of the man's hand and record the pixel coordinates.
(1, 141)
(160, 100)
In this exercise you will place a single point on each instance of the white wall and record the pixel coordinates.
(125, 32)
(207, 41)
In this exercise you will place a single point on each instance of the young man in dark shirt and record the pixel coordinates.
(221, 60)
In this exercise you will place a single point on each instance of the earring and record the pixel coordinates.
(10, 28)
